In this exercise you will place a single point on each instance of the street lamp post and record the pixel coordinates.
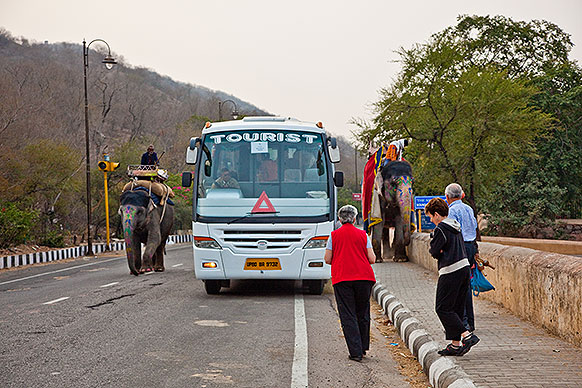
(234, 112)
(109, 62)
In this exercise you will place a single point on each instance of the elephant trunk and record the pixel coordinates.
(128, 213)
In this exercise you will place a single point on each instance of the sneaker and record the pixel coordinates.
(451, 350)
(468, 342)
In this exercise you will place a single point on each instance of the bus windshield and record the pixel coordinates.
(238, 166)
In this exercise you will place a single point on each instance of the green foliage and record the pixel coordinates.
(344, 197)
(15, 224)
(53, 239)
(465, 99)
(560, 94)
(528, 202)
(183, 203)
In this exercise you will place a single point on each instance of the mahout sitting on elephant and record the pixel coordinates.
(145, 222)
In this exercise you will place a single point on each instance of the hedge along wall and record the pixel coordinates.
(543, 288)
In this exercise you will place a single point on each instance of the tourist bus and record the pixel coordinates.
(264, 201)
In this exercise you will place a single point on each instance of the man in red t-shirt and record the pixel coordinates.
(350, 253)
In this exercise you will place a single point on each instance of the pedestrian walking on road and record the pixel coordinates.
(349, 251)
(465, 216)
(448, 248)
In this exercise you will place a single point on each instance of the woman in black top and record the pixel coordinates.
(454, 275)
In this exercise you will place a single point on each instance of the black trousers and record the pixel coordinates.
(353, 304)
(451, 295)
(469, 315)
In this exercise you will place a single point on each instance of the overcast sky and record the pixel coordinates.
(315, 60)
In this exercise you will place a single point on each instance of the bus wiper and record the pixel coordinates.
(248, 215)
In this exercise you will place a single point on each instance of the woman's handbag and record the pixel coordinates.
(479, 283)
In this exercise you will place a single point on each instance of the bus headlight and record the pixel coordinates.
(206, 242)
(316, 242)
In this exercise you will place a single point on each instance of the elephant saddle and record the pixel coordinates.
(161, 190)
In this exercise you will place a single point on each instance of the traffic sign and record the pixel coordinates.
(356, 196)
(421, 201)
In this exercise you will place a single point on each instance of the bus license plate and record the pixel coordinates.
(262, 264)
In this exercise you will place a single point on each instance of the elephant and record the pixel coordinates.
(145, 223)
(396, 206)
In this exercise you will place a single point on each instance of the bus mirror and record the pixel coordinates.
(186, 179)
(338, 179)
(191, 155)
(333, 149)
(334, 154)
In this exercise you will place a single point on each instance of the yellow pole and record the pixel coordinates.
(106, 206)
(419, 221)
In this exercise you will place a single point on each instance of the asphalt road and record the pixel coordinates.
(89, 323)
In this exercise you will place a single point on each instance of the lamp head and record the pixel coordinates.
(109, 62)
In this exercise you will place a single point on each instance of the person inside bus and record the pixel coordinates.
(225, 181)
(267, 171)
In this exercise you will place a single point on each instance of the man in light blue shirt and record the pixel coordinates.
(464, 215)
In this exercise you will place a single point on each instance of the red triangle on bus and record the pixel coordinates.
(263, 199)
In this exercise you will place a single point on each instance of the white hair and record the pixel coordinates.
(454, 191)
(347, 214)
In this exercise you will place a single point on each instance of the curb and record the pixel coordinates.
(67, 253)
(442, 372)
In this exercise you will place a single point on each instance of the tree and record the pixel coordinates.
(464, 98)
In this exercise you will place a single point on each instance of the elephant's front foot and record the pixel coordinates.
(400, 258)
(159, 269)
(145, 269)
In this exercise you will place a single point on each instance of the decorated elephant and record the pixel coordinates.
(395, 202)
(145, 222)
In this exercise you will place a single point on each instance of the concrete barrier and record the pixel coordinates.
(66, 253)
(541, 287)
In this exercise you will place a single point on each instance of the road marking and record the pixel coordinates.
(177, 265)
(57, 300)
(299, 369)
(109, 285)
(59, 270)
(149, 273)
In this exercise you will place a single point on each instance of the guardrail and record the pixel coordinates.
(67, 253)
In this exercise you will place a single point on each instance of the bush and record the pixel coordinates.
(15, 225)
(53, 239)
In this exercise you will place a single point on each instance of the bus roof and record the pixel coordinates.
(264, 122)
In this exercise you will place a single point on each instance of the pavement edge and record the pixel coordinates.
(442, 372)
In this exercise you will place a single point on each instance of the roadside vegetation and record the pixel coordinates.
(496, 106)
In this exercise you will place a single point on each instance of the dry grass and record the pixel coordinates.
(408, 365)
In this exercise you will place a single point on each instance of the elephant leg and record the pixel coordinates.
(159, 258)
(398, 244)
(387, 248)
(377, 240)
(152, 245)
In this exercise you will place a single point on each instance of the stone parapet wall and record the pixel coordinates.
(541, 287)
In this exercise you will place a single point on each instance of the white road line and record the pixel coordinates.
(177, 265)
(57, 300)
(299, 369)
(149, 273)
(59, 270)
(109, 285)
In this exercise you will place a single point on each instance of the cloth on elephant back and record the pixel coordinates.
(160, 189)
(370, 204)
